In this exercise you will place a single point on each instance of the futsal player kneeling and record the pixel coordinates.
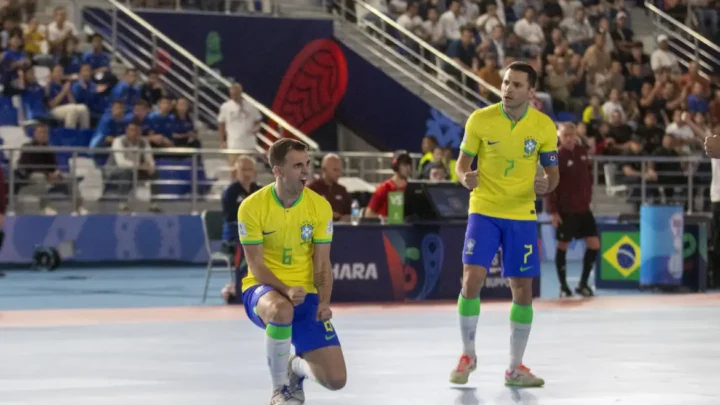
(286, 230)
(569, 207)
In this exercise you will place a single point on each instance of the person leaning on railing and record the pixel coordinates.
(123, 161)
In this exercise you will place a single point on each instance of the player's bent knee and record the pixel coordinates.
(563, 245)
(277, 309)
(336, 382)
(593, 243)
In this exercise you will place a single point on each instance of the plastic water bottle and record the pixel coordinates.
(355, 212)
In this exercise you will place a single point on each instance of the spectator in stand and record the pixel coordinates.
(687, 135)
(634, 171)
(490, 74)
(638, 55)
(693, 76)
(670, 174)
(162, 124)
(696, 102)
(97, 58)
(437, 172)
(620, 132)
(113, 127)
(662, 58)
(59, 30)
(70, 59)
(141, 115)
(650, 133)
(38, 171)
(622, 37)
(329, 187)
(463, 52)
(33, 97)
(553, 10)
(130, 152)
(579, 32)
(238, 122)
(595, 59)
(127, 90)
(593, 112)
(616, 79)
(13, 61)
(402, 166)
(34, 36)
(184, 134)
(497, 45)
(613, 104)
(603, 28)
(242, 187)
(487, 22)
(86, 92)
(62, 103)
(433, 31)
(411, 21)
(450, 162)
(11, 26)
(558, 83)
(451, 21)
(530, 33)
(634, 82)
(677, 10)
(706, 14)
(153, 90)
(428, 145)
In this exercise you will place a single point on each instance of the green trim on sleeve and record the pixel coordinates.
(467, 152)
(251, 242)
(328, 240)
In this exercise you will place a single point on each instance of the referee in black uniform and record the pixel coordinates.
(569, 208)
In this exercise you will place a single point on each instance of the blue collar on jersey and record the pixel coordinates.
(277, 200)
(513, 123)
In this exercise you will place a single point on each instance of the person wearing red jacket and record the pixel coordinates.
(569, 208)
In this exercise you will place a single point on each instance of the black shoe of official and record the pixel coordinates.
(565, 292)
(584, 290)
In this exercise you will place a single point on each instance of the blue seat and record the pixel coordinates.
(8, 113)
(564, 116)
(182, 171)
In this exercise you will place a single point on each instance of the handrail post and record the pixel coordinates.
(74, 185)
(643, 183)
(11, 183)
(114, 33)
(196, 93)
(136, 158)
(194, 180)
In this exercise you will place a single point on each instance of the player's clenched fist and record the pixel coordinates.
(296, 295)
(541, 185)
(471, 179)
(324, 313)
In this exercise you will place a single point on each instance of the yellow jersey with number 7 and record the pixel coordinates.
(288, 235)
(507, 157)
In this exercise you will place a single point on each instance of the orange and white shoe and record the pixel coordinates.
(465, 366)
(522, 377)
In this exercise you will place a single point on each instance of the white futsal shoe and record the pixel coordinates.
(522, 377)
(465, 366)
(296, 382)
(283, 396)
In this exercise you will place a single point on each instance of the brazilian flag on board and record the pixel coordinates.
(620, 253)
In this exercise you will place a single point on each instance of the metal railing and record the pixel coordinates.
(212, 6)
(436, 72)
(138, 44)
(187, 175)
(687, 44)
(195, 177)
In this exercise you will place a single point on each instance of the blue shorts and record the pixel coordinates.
(307, 332)
(518, 239)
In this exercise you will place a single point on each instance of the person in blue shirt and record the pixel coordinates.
(162, 124)
(184, 132)
(87, 92)
(32, 97)
(70, 59)
(97, 58)
(140, 114)
(12, 61)
(62, 103)
(110, 129)
(127, 90)
(697, 102)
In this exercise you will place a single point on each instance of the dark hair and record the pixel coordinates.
(525, 68)
(142, 102)
(279, 150)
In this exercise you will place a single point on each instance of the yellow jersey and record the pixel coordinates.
(508, 153)
(288, 235)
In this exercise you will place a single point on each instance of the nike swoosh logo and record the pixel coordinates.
(493, 143)
(268, 233)
(525, 268)
(329, 337)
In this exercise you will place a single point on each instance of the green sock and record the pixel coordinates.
(521, 317)
(469, 310)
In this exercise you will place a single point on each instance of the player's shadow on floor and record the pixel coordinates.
(521, 396)
(467, 396)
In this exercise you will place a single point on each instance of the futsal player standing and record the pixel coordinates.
(508, 139)
(569, 208)
(286, 230)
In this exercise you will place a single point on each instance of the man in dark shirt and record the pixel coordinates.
(650, 133)
(327, 186)
(463, 52)
(233, 196)
(569, 207)
(634, 172)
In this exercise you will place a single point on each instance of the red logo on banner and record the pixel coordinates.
(313, 86)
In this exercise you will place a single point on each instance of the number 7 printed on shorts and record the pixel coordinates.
(528, 252)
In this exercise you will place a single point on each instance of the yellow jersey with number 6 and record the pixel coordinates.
(288, 235)
(507, 157)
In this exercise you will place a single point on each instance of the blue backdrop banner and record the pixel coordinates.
(395, 263)
(661, 243)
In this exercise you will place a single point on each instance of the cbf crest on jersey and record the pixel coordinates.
(530, 146)
(306, 232)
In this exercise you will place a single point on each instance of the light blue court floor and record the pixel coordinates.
(654, 350)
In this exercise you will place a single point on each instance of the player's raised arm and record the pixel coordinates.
(251, 238)
(322, 267)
